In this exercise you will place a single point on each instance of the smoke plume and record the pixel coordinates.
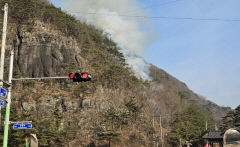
(127, 32)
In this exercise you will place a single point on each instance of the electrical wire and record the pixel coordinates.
(163, 17)
(152, 5)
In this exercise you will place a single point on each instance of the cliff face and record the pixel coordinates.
(70, 113)
(44, 51)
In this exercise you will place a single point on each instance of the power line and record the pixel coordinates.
(147, 7)
(163, 17)
(153, 5)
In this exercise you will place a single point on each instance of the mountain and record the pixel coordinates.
(212, 109)
(116, 107)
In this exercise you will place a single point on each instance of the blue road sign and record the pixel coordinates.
(22, 126)
(1, 103)
(3, 92)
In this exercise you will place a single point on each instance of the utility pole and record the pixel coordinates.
(7, 115)
(161, 132)
(206, 125)
(180, 142)
(4, 34)
(153, 132)
(160, 126)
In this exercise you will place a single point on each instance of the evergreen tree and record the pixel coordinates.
(231, 120)
(237, 117)
(110, 136)
(190, 126)
(112, 118)
(133, 108)
(228, 121)
(111, 121)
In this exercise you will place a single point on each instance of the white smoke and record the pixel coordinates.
(107, 15)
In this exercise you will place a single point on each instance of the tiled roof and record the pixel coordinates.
(213, 135)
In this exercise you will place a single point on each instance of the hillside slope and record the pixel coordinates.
(217, 112)
(115, 107)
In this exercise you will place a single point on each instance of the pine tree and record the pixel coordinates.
(190, 125)
(133, 108)
(111, 121)
(110, 136)
(231, 120)
(237, 117)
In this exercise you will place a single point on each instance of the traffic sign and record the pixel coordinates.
(1, 103)
(22, 126)
(3, 92)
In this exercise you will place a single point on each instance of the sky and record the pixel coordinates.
(203, 54)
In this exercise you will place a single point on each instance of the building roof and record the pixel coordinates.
(213, 135)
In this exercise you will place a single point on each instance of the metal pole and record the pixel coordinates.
(153, 132)
(206, 125)
(40, 78)
(27, 143)
(4, 34)
(160, 123)
(7, 115)
(180, 142)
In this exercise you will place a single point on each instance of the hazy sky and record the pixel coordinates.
(203, 54)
